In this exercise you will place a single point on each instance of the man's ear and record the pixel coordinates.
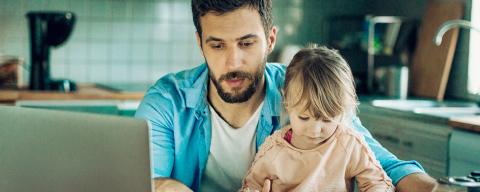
(272, 39)
(199, 42)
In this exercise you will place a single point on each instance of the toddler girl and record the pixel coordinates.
(318, 150)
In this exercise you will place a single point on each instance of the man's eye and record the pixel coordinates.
(327, 120)
(246, 44)
(303, 118)
(216, 46)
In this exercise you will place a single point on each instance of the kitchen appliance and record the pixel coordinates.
(392, 81)
(470, 182)
(48, 29)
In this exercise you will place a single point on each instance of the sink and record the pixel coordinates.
(448, 112)
(452, 110)
(444, 109)
(412, 104)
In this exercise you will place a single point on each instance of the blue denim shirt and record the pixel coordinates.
(177, 111)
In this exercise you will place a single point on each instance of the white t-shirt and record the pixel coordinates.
(231, 153)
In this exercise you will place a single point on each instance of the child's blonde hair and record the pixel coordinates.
(320, 80)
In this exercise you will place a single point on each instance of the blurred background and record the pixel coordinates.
(138, 41)
(418, 99)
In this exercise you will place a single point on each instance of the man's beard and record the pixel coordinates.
(237, 96)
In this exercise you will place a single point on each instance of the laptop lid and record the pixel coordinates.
(46, 150)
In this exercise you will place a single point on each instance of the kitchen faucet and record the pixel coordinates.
(452, 24)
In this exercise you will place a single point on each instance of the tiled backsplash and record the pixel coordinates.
(117, 41)
(113, 41)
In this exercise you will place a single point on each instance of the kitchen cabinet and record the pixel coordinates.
(464, 152)
(410, 136)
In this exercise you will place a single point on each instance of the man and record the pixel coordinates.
(208, 122)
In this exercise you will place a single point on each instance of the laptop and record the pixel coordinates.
(57, 151)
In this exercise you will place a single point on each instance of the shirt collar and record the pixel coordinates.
(196, 95)
(272, 96)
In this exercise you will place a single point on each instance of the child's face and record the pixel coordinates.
(305, 126)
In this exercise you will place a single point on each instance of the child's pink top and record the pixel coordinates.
(332, 166)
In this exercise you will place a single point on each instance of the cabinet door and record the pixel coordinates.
(464, 153)
(460, 167)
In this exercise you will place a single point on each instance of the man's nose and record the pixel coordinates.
(234, 58)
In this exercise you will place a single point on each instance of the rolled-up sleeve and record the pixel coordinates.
(394, 167)
(157, 110)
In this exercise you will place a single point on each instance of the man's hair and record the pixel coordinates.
(320, 80)
(219, 7)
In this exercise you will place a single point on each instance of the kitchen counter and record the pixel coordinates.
(405, 111)
(462, 121)
(84, 92)
(469, 123)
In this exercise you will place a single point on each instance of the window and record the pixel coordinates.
(474, 57)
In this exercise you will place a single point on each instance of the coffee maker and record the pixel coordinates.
(48, 29)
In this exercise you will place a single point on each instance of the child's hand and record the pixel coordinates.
(267, 185)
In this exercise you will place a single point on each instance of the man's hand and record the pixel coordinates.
(170, 185)
(416, 182)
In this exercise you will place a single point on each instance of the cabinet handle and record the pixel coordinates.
(387, 138)
(408, 144)
(392, 139)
